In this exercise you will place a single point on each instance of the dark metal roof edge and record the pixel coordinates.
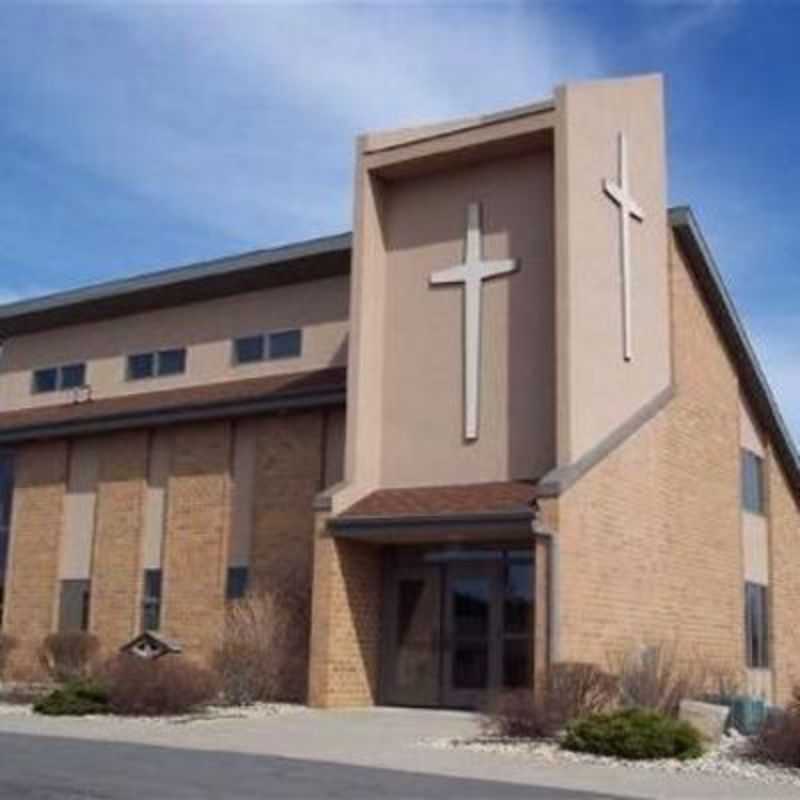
(511, 515)
(288, 401)
(186, 273)
(687, 229)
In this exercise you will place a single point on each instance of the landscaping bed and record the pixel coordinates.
(734, 757)
(211, 713)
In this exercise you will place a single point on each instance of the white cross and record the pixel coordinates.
(472, 273)
(620, 194)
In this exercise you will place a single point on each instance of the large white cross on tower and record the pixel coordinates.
(472, 273)
(620, 194)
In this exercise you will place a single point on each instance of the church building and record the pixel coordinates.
(513, 419)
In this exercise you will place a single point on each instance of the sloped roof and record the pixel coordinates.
(751, 375)
(313, 259)
(472, 498)
(311, 388)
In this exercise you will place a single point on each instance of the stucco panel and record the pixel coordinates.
(424, 226)
(598, 389)
(205, 329)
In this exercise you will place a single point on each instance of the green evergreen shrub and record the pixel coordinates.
(77, 698)
(635, 734)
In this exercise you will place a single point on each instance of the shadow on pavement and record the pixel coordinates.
(52, 768)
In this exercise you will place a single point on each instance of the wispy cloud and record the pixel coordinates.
(244, 116)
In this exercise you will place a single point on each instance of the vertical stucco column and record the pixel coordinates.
(345, 621)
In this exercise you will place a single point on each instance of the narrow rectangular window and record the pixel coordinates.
(237, 583)
(752, 482)
(285, 344)
(73, 376)
(248, 349)
(756, 626)
(74, 608)
(45, 380)
(151, 603)
(172, 362)
(141, 365)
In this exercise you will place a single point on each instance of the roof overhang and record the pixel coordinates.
(511, 525)
(297, 392)
(262, 269)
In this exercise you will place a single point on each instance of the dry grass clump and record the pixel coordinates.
(572, 690)
(67, 656)
(264, 651)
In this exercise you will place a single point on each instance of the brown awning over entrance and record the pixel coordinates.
(497, 511)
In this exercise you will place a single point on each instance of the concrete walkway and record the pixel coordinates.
(348, 754)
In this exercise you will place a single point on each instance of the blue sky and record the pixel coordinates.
(142, 135)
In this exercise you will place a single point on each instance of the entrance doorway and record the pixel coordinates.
(458, 624)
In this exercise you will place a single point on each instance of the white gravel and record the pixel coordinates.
(732, 758)
(208, 714)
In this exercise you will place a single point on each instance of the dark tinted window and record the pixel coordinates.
(140, 366)
(73, 376)
(151, 603)
(237, 582)
(74, 608)
(172, 362)
(752, 482)
(285, 344)
(45, 380)
(249, 349)
(756, 625)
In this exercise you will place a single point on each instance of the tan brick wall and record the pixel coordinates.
(650, 539)
(116, 565)
(288, 474)
(196, 539)
(38, 516)
(784, 534)
(345, 641)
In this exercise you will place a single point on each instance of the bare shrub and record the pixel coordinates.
(577, 689)
(154, 687)
(724, 684)
(519, 714)
(779, 737)
(657, 677)
(571, 690)
(67, 656)
(7, 644)
(263, 655)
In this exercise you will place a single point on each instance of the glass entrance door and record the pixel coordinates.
(458, 625)
(471, 629)
(412, 654)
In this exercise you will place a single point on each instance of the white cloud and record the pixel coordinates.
(241, 118)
